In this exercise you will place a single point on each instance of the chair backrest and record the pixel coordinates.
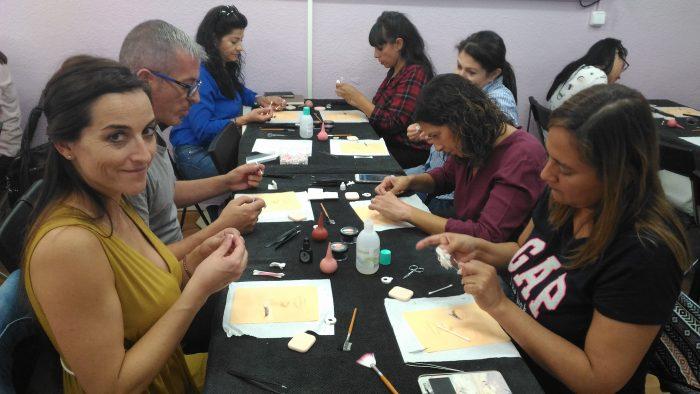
(675, 358)
(541, 115)
(224, 148)
(14, 227)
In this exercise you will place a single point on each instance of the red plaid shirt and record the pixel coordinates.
(395, 103)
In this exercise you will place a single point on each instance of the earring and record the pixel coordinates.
(69, 157)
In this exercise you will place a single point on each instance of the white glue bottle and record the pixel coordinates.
(306, 124)
(367, 250)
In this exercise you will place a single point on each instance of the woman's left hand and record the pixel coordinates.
(348, 93)
(391, 207)
(275, 102)
(482, 282)
(208, 247)
(258, 115)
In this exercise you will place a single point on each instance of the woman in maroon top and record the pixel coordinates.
(399, 47)
(493, 167)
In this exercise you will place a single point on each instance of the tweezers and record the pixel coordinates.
(269, 386)
(433, 366)
(284, 237)
(327, 181)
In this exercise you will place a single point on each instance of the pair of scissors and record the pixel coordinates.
(413, 268)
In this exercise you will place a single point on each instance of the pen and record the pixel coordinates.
(278, 176)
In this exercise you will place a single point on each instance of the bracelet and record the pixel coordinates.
(184, 267)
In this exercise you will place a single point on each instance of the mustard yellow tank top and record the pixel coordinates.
(145, 291)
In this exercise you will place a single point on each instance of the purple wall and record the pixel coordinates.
(541, 37)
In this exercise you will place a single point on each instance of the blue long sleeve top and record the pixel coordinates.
(211, 115)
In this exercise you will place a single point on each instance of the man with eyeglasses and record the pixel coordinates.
(168, 60)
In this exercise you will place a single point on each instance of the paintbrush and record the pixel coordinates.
(368, 360)
(331, 221)
(347, 344)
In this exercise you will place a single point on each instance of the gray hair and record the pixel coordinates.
(155, 44)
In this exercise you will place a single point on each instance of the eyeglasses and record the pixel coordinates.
(625, 65)
(192, 88)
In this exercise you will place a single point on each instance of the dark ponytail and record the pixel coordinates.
(601, 54)
(489, 50)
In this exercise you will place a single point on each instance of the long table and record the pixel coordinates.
(321, 161)
(677, 155)
(325, 368)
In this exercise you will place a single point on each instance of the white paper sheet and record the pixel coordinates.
(263, 145)
(282, 330)
(410, 346)
(413, 200)
(692, 140)
(276, 217)
(317, 193)
(336, 147)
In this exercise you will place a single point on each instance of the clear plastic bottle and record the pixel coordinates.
(306, 124)
(367, 250)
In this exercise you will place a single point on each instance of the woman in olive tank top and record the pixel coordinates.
(112, 298)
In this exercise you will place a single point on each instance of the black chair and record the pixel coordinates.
(14, 227)
(223, 149)
(541, 115)
(163, 143)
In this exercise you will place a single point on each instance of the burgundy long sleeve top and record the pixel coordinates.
(495, 203)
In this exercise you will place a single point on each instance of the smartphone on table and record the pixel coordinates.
(464, 383)
(370, 178)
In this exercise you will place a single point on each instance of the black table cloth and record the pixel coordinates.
(321, 161)
(325, 368)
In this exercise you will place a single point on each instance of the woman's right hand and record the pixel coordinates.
(223, 266)
(463, 248)
(258, 115)
(394, 184)
(413, 132)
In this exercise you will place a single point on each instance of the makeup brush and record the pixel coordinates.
(368, 360)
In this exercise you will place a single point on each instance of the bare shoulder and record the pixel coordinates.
(70, 251)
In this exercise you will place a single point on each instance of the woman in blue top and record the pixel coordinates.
(222, 93)
(481, 59)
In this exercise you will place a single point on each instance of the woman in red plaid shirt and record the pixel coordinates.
(399, 47)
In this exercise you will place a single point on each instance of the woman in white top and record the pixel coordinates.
(603, 63)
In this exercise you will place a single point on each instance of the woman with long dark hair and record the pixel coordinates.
(493, 168)
(399, 47)
(222, 94)
(598, 268)
(604, 62)
(481, 59)
(112, 298)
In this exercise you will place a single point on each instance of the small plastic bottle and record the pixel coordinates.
(306, 124)
(367, 250)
